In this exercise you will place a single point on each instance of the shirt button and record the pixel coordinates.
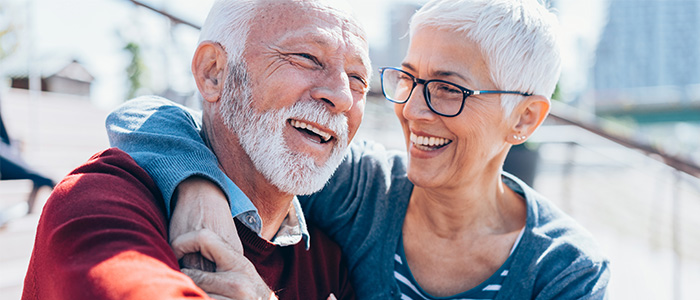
(250, 219)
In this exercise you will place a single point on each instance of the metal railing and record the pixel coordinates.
(567, 115)
(658, 202)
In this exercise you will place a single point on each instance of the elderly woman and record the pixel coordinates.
(443, 221)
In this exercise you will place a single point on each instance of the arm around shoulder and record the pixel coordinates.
(164, 138)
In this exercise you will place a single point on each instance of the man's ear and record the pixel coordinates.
(209, 67)
(529, 115)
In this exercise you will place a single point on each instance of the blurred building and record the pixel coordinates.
(648, 62)
(392, 54)
(59, 76)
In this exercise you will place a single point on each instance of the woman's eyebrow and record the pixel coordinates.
(437, 73)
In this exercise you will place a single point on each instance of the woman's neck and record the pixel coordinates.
(476, 208)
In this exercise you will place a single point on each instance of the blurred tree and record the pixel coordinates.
(135, 70)
(8, 35)
(557, 93)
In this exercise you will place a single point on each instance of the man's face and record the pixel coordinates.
(308, 72)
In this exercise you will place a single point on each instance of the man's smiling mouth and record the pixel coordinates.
(311, 131)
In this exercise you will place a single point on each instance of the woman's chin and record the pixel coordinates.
(421, 178)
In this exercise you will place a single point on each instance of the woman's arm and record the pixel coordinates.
(163, 138)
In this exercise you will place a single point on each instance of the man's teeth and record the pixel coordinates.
(299, 124)
(429, 141)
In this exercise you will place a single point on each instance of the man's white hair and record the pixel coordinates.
(228, 22)
(518, 39)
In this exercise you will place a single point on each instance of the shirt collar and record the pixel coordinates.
(292, 230)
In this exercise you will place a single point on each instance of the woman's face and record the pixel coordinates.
(448, 152)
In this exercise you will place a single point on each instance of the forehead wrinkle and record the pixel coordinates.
(328, 39)
(360, 43)
(353, 33)
(332, 29)
(319, 36)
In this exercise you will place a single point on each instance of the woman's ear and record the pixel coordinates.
(529, 115)
(209, 68)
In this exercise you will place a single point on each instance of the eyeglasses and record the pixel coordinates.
(443, 97)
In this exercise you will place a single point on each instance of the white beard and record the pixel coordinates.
(261, 136)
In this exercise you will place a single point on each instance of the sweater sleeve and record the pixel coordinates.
(584, 279)
(103, 235)
(164, 139)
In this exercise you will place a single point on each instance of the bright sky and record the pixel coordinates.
(95, 31)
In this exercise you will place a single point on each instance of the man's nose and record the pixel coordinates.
(333, 88)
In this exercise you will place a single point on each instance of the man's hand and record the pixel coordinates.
(235, 276)
(202, 205)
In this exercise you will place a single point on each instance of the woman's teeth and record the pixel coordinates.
(325, 137)
(428, 143)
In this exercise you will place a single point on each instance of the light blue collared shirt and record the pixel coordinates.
(292, 230)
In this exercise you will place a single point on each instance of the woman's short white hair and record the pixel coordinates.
(518, 39)
(228, 24)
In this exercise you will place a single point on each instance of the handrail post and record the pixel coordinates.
(567, 174)
(676, 224)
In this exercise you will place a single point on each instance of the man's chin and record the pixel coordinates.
(300, 183)
(301, 174)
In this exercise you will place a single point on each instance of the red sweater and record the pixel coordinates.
(103, 235)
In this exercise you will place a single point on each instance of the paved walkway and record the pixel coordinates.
(56, 134)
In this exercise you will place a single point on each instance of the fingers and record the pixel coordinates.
(235, 285)
(207, 281)
(211, 246)
(197, 261)
(218, 297)
(331, 297)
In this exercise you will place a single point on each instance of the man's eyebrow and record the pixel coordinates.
(362, 60)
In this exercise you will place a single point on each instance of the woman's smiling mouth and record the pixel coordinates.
(427, 143)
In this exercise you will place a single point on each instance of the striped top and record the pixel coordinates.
(410, 290)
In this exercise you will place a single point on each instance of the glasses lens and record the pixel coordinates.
(445, 98)
(396, 85)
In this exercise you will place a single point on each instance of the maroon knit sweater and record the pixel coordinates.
(103, 235)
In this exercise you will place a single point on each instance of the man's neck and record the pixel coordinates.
(272, 204)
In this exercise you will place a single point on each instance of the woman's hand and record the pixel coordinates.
(202, 205)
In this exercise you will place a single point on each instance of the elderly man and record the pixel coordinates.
(283, 85)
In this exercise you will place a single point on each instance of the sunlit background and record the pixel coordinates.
(620, 152)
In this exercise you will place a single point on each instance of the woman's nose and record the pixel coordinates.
(416, 107)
